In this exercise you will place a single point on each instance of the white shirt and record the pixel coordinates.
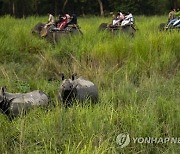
(51, 18)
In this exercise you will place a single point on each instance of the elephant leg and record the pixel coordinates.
(54, 38)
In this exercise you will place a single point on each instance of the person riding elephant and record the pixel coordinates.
(128, 20)
(118, 19)
(172, 15)
(59, 20)
(51, 20)
(177, 22)
(65, 20)
(73, 20)
(174, 22)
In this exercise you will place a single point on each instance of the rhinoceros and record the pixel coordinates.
(13, 104)
(77, 89)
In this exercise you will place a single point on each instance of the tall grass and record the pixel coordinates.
(137, 78)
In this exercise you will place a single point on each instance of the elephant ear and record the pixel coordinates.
(43, 32)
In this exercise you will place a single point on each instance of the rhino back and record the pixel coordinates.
(85, 89)
(36, 98)
(13, 95)
(26, 101)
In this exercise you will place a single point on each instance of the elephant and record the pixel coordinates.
(52, 35)
(129, 29)
(163, 27)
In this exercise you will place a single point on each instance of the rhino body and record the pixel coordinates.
(14, 104)
(79, 89)
(85, 89)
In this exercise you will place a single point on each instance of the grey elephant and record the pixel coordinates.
(14, 104)
(77, 89)
(55, 36)
(129, 29)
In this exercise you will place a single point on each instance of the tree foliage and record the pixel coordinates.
(20, 8)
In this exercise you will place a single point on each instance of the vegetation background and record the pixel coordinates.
(137, 78)
(21, 8)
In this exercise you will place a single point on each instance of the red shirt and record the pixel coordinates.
(62, 24)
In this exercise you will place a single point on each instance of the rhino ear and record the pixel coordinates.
(2, 92)
(74, 76)
(62, 76)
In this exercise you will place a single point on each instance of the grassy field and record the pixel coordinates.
(137, 78)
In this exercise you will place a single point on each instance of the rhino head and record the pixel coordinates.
(68, 88)
(4, 102)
